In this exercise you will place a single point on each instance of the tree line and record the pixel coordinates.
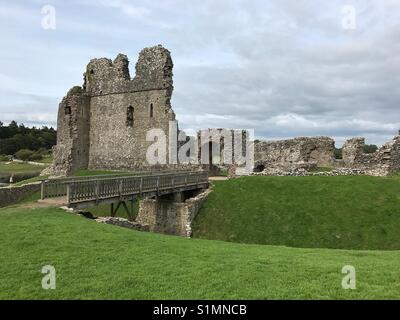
(16, 137)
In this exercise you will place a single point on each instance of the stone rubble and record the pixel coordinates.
(301, 172)
(121, 222)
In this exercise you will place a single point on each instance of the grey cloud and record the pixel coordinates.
(285, 68)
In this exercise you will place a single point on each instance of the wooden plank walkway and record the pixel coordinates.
(81, 193)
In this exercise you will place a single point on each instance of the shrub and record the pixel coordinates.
(24, 154)
(338, 153)
(36, 156)
(4, 157)
(44, 151)
(370, 148)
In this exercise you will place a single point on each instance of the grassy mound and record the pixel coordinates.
(102, 261)
(357, 212)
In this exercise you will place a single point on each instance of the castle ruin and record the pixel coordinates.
(298, 156)
(385, 161)
(103, 124)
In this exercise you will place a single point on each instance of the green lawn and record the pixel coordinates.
(344, 212)
(94, 261)
(48, 159)
(86, 173)
(19, 171)
(16, 167)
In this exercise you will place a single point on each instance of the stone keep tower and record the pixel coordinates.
(103, 124)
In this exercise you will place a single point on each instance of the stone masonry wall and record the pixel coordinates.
(386, 160)
(72, 149)
(10, 195)
(292, 152)
(108, 126)
(166, 216)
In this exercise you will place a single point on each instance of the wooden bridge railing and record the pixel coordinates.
(94, 190)
(54, 188)
(97, 189)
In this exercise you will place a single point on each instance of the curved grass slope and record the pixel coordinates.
(95, 261)
(326, 212)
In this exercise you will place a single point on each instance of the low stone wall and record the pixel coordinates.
(170, 217)
(284, 153)
(11, 195)
(17, 177)
(191, 208)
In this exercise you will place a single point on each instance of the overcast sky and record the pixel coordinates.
(283, 67)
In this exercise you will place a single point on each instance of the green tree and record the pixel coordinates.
(24, 154)
(370, 148)
(15, 137)
(338, 153)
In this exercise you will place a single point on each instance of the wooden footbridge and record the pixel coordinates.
(86, 192)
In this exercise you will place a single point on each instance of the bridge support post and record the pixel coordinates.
(165, 215)
(129, 210)
(179, 197)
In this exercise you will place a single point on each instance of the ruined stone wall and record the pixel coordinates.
(117, 138)
(221, 147)
(218, 141)
(292, 152)
(103, 125)
(170, 217)
(353, 154)
(386, 160)
(389, 154)
(72, 150)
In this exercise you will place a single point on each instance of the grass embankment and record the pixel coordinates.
(48, 159)
(31, 180)
(356, 212)
(94, 261)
